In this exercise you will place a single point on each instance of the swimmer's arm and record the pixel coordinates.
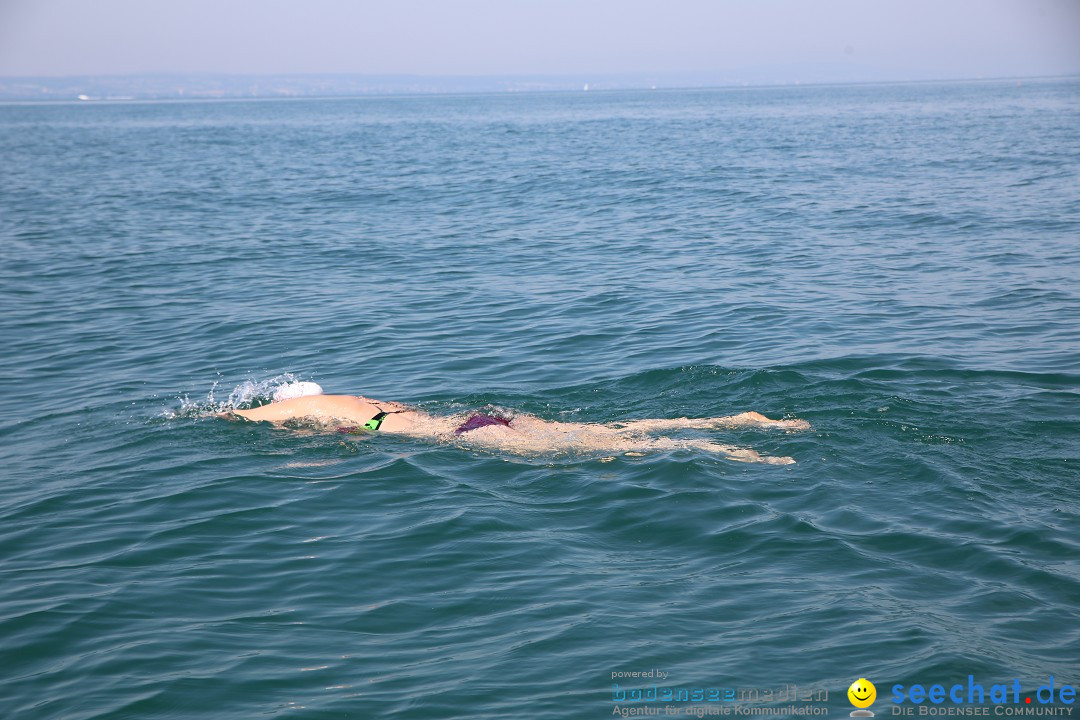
(283, 410)
(256, 414)
(344, 407)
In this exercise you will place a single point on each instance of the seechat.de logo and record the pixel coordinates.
(862, 694)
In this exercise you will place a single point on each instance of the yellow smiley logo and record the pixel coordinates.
(862, 693)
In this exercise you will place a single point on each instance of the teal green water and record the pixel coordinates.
(896, 264)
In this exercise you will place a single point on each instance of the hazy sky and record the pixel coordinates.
(894, 39)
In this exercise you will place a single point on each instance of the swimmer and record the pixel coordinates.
(519, 432)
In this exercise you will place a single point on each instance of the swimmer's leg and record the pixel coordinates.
(729, 451)
(535, 435)
(756, 419)
(746, 419)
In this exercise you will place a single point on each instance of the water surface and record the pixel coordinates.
(896, 264)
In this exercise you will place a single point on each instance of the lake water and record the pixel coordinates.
(897, 264)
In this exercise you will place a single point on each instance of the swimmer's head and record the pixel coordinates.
(297, 390)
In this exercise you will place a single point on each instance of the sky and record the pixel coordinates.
(883, 39)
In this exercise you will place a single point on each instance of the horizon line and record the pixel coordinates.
(449, 76)
(413, 92)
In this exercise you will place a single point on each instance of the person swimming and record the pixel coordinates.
(517, 432)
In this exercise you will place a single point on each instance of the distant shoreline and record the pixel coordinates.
(157, 88)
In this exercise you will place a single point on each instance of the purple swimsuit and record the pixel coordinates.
(479, 421)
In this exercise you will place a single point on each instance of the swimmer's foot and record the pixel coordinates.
(793, 425)
(756, 419)
(744, 456)
(751, 456)
(779, 460)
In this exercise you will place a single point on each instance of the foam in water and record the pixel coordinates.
(248, 394)
(297, 390)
